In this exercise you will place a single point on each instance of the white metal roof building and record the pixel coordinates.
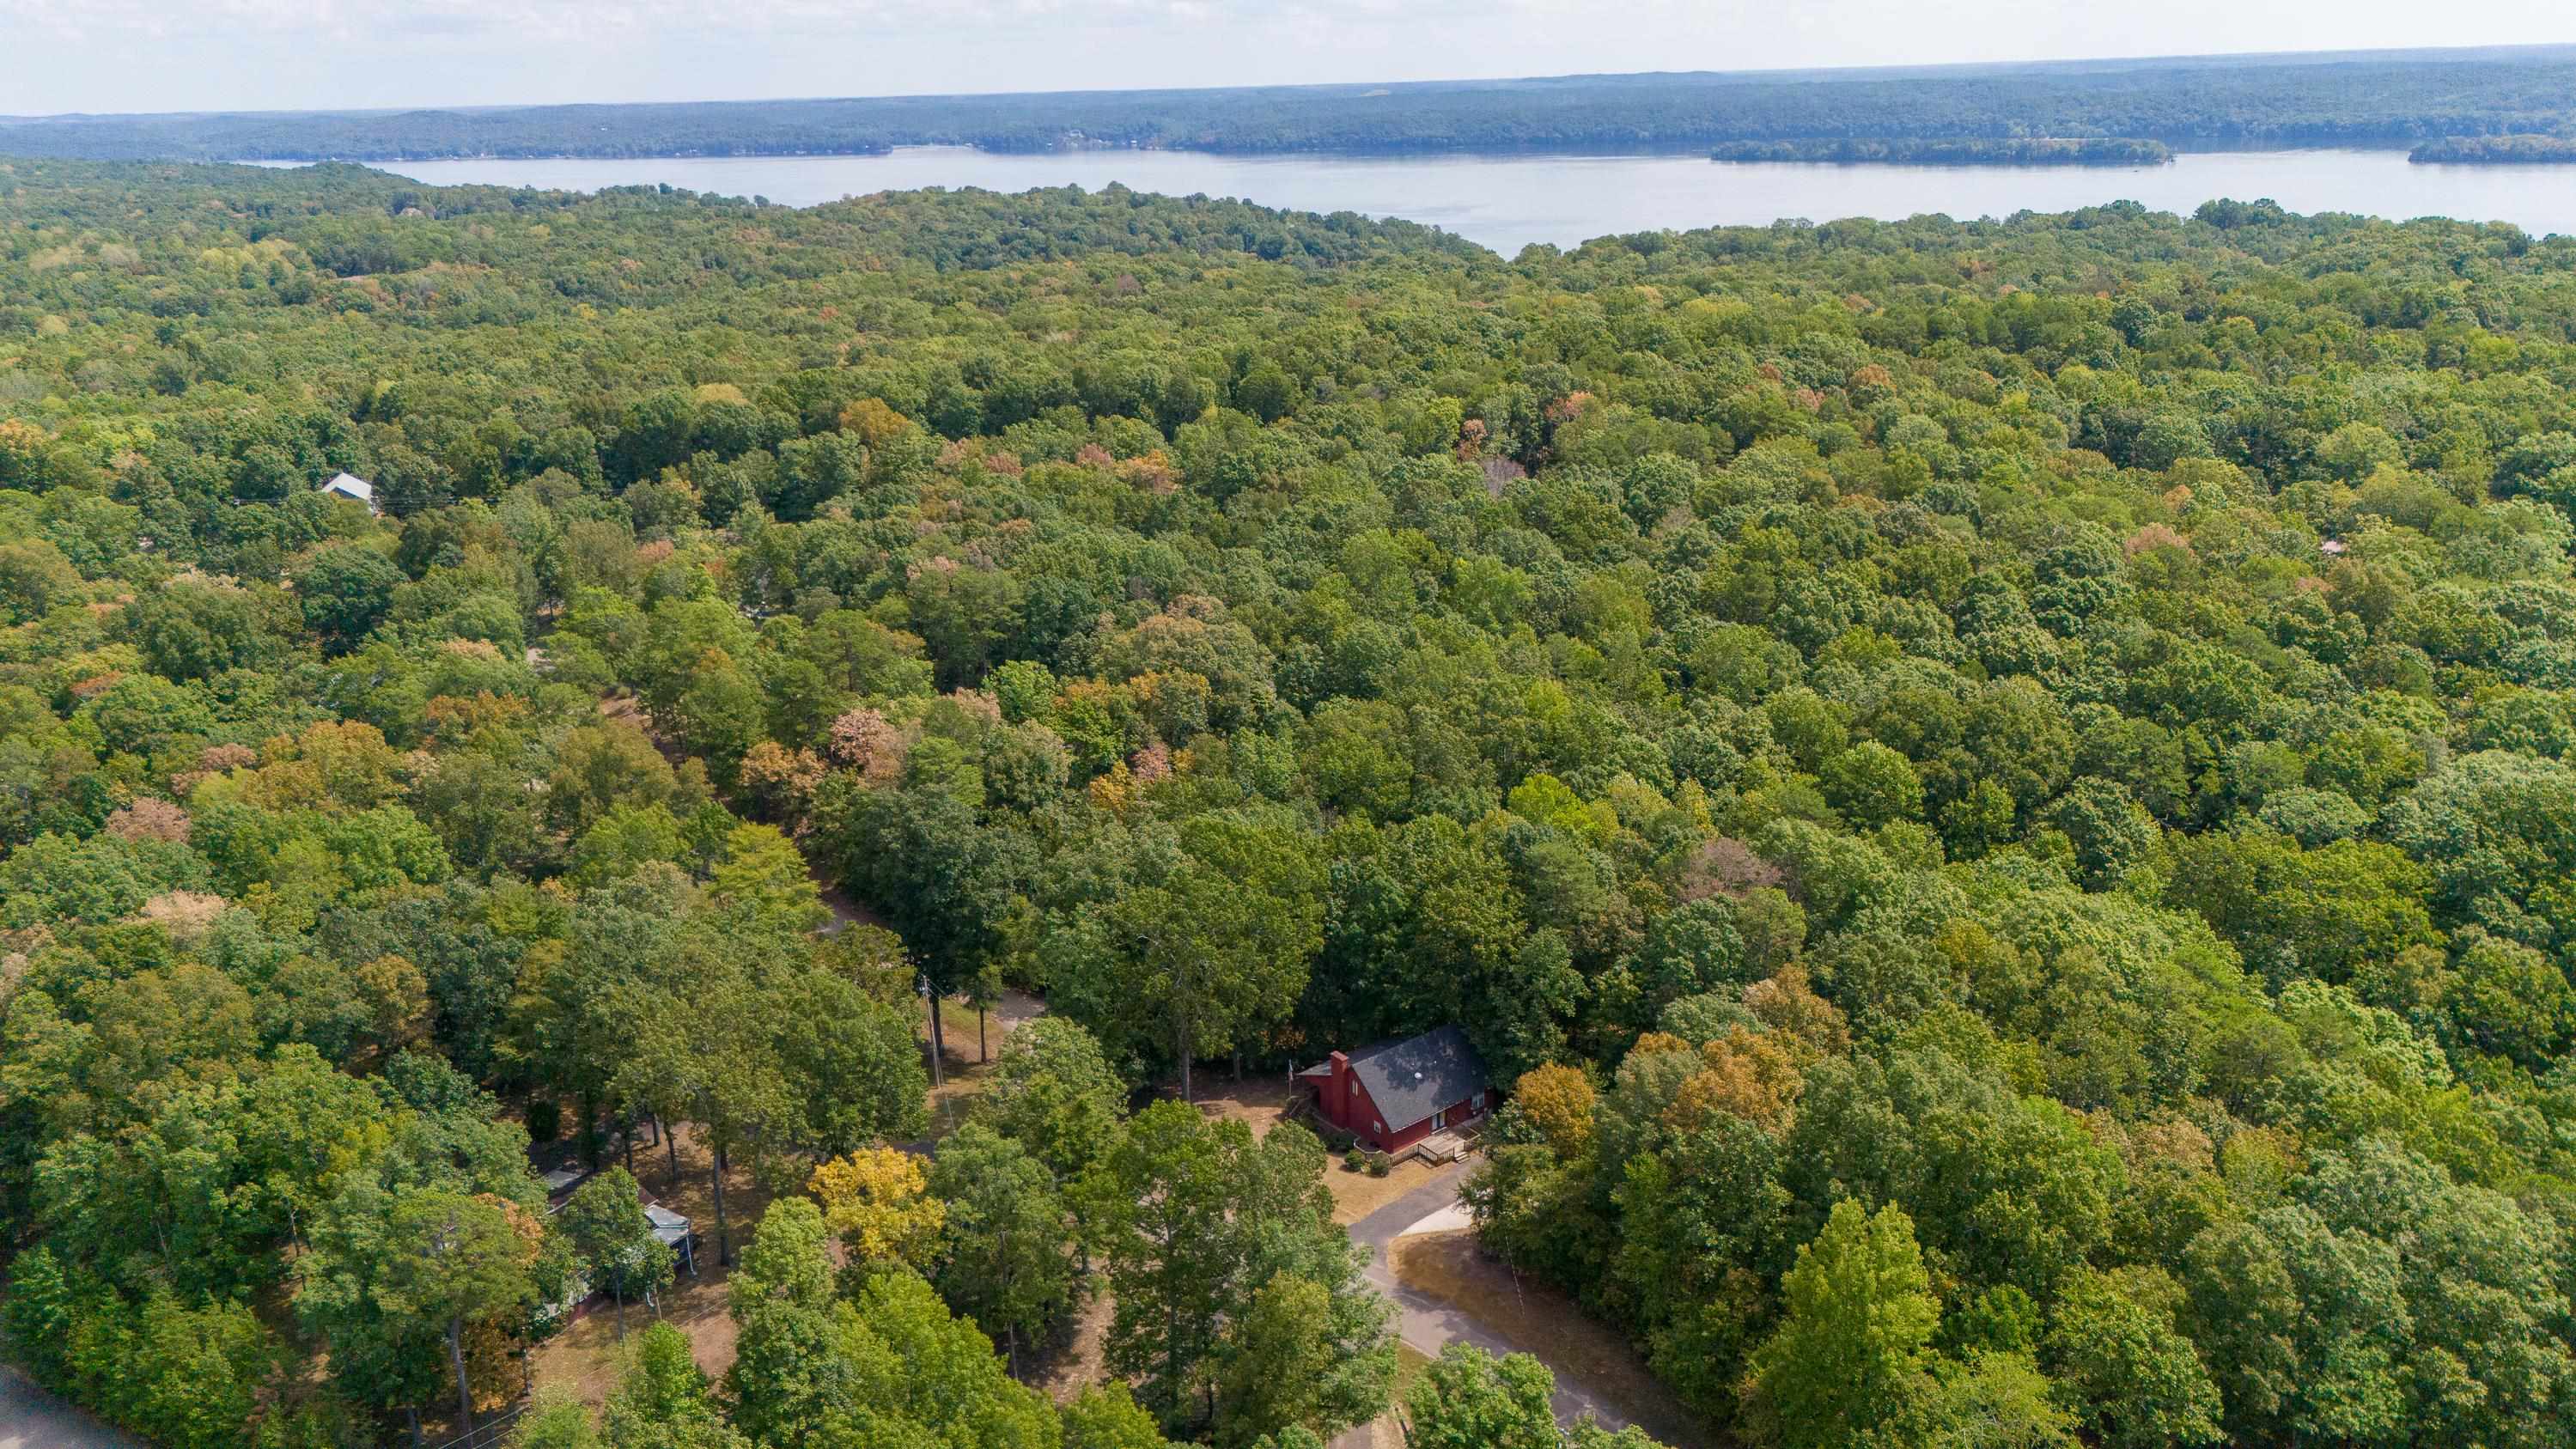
(348, 485)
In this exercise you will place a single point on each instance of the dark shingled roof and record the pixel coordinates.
(1410, 1080)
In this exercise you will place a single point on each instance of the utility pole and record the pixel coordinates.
(936, 1066)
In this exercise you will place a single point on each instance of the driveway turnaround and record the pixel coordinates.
(1430, 1325)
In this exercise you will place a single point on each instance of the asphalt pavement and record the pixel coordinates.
(31, 1418)
(1429, 1325)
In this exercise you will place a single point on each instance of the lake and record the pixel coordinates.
(1507, 202)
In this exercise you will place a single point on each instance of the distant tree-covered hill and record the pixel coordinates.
(1965, 151)
(2495, 150)
(2370, 99)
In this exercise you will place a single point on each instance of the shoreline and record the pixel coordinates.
(1507, 202)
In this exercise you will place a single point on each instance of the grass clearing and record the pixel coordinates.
(1357, 1194)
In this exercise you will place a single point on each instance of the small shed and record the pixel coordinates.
(1394, 1094)
(349, 485)
(673, 1230)
(561, 1181)
(675, 1233)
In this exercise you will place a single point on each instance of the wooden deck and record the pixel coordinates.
(1444, 1147)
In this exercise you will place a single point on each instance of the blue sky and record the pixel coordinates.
(163, 55)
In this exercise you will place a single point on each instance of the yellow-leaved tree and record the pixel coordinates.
(877, 1201)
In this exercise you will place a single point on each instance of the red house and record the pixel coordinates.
(1394, 1094)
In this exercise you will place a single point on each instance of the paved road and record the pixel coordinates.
(30, 1418)
(1429, 1325)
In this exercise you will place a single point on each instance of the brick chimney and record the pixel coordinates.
(1342, 1091)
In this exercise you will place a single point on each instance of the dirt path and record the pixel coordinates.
(957, 1015)
(1063, 1370)
(846, 912)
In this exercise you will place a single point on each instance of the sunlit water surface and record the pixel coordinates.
(1507, 202)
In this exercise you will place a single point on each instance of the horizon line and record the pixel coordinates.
(2431, 55)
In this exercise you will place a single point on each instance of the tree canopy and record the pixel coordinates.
(2003, 788)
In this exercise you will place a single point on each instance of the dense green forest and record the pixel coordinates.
(2019, 151)
(2391, 98)
(2495, 150)
(2002, 791)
